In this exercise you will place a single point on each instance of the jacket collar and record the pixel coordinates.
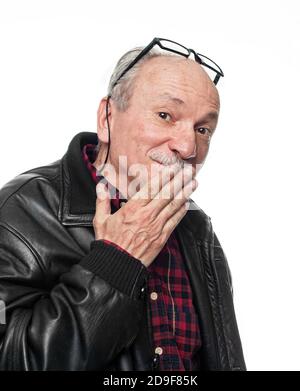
(78, 195)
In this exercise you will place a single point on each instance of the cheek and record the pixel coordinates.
(149, 131)
(202, 151)
(134, 138)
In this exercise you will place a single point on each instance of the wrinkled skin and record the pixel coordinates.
(172, 114)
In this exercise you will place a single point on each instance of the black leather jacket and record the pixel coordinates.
(71, 305)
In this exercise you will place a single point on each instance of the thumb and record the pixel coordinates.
(103, 209)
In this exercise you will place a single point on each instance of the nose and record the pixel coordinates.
(183, 141)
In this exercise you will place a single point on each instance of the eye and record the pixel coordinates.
(164, 116)
(204, 131)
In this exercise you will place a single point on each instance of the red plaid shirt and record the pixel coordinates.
(175, 325)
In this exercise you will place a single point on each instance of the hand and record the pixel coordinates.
(144, 224)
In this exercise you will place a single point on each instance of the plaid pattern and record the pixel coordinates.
(175, 324)
(174, 320)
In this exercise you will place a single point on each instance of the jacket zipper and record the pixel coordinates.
(217, 318)
(218, 311)
(207, 269)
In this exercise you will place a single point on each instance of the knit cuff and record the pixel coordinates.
(123, 272)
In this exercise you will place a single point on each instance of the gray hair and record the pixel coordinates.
(122, 91)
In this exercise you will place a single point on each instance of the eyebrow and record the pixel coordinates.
(212, 115)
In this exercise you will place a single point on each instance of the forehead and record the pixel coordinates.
(179, 77)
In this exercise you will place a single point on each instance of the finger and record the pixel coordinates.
(172, 189)
(155, 183)
(172, 222)
(180, 200)
(103, 209)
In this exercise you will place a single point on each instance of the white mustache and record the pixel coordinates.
(166, 160)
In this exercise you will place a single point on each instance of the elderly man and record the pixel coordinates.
(102, 265)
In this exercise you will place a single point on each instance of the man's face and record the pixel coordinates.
(173, 104)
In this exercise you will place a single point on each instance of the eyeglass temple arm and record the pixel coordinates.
(216, 79)
(138, 57)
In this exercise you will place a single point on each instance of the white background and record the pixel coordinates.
(55, 62)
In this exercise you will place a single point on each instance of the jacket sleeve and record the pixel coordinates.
(82, 323)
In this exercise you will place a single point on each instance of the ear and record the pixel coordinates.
(102, 129)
